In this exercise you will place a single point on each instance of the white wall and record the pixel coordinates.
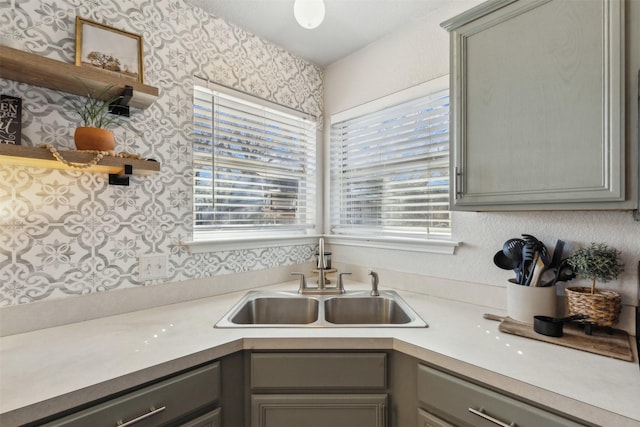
(420, 53)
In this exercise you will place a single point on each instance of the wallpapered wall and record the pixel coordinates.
(66, 233)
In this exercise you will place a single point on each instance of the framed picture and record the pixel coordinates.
(109, 49)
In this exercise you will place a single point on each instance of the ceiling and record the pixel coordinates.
(348, 25)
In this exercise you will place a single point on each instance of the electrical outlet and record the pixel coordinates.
(152, 267)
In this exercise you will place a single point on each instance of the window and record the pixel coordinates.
(390, 166)
(254, 166)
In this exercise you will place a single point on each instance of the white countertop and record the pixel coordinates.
(49, 370)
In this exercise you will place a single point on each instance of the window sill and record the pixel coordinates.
(445, 247)
(230, 244)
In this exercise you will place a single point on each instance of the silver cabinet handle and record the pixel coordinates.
(458, 183)
(480, 412)
(152, 411)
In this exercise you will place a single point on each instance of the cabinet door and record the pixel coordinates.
(463, 403)
(319, 410)
(210, 419)
(154, 405)
(537, 95)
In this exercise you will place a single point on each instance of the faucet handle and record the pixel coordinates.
(341, 283)
(303, 281)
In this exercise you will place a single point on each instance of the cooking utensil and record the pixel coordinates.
(532, 249)
(528, 255)
(539, 268)
(513, 249)
(564, 273)
(552, 326)
(557, 254)
(536, 256)
(504, 262)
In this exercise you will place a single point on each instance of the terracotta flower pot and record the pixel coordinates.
(89, 138)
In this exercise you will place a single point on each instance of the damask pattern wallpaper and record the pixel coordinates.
(65, 233)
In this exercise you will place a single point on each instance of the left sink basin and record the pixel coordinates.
(279, 309)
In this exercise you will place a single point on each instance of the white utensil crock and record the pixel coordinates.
(524, 302)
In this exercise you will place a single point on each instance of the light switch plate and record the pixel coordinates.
(152, 267)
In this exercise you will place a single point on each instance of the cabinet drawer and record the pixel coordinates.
(152, 405)
(465, 404)
(318, 370)
(318, 410)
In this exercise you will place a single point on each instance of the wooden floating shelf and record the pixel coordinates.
(42, 158)
(40, 71)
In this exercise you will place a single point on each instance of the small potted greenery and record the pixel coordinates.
(597, 262)
(95, 118)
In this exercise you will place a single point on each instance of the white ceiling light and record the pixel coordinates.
(309, 13)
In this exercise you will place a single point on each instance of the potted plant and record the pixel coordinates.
(95, 118)
(597, 262)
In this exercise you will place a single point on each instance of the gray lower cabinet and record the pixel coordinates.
(318, 389)
(445, 400)
(168, 402)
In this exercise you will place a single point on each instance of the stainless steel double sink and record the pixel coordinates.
(279, 309)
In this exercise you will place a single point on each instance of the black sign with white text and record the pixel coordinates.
(10, 120)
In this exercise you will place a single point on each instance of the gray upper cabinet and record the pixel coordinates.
(537, 105)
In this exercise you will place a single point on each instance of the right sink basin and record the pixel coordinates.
(379, 310)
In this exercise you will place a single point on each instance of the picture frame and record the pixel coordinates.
(109, 49)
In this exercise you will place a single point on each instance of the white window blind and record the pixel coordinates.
(390, 170)
(254, 166)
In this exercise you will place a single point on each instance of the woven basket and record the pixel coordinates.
(601, 308)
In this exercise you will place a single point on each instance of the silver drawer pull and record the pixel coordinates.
(152, 411)
(480, 412)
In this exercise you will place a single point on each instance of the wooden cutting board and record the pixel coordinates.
(616, 345)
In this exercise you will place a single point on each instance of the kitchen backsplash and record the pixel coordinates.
(65, 233)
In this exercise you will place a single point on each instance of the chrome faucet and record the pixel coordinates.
(374, 283)
(321, 265)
